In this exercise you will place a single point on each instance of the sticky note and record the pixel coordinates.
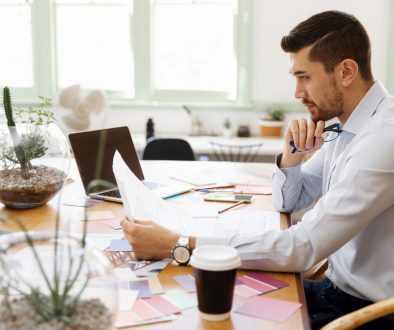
(180, 299)
(268, 308)
(245, 291)
(126, 299)
(124, 274)
(155, 285)
(119, 245)
(187, 282)
(162, 305)
(141, 286)
(256, 285)
(261, 277)
(114, 224)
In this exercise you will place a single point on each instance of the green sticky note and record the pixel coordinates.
(180, 299)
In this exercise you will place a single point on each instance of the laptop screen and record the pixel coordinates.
(94, 152)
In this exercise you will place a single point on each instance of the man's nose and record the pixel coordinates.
(299, 92)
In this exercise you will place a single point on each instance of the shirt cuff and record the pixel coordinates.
(282, 174)
(200, 241)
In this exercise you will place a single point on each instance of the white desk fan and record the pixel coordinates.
(80, 110)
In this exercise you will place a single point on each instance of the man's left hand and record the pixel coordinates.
(149, 240)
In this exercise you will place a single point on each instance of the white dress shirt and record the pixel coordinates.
(352, 223)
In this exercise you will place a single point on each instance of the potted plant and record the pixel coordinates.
(54, 281)
(271, 125)
(34, 155)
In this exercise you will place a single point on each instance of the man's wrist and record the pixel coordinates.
(288, 159)
(174, 239)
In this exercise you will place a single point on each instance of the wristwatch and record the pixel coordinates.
(181, 252)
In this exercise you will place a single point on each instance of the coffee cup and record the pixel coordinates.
(214, 270)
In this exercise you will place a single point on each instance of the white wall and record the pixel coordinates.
(270, 81)
(274, 19)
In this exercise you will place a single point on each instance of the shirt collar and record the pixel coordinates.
(365, 108)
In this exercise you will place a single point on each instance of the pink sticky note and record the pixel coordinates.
(245, 291)
(267, 279)
(162, 305)
(268, 308)
(126, 318)
(256, 285)
(115, 223)
(145, 311)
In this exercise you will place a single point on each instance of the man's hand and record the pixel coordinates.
(149, 240)
(307, 137)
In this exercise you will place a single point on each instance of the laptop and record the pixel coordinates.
(94, 152)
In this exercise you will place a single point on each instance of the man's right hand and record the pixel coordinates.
(307, 137)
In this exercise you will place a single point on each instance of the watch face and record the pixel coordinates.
(181, 254)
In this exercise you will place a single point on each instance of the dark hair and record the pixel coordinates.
(335, 36)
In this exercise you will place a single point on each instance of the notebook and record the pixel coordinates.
(94, 152)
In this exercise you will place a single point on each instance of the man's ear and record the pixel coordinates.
(347, 71)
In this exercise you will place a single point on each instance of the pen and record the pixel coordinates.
(230, 207)
(215, 191)
(214, 187)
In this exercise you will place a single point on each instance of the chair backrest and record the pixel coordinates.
(362, 316)
(167, 149)
(235, 153)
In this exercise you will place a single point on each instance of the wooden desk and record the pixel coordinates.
(257, 173)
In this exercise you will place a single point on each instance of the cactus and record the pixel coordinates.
(18, 148)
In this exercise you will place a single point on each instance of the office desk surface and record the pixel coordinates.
(42, 218)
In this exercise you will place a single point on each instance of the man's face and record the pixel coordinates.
(316, 88)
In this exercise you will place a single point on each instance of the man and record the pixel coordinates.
(351, 177)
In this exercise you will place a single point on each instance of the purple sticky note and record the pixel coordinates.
(268, 308)
(142, 286)
(187, 282)
(261, 277)
(119, 245)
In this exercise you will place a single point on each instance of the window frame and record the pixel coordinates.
(44, 60)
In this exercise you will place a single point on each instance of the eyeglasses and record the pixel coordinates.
(330, 133)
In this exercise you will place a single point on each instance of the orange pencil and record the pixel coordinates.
(230, 207)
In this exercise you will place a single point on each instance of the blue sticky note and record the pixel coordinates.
(119, 245)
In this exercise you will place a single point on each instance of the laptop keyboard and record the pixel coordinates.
(111, 193)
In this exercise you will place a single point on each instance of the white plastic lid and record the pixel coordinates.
(215, 258)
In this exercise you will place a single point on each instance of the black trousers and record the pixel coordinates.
(326, 303)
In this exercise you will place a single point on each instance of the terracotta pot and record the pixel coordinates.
(270, 128)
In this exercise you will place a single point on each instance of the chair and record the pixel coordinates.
(357, 318)
(363, 315)
(317, 271)
(235, 153)
(167, 149)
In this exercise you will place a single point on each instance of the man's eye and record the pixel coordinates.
(303, 78)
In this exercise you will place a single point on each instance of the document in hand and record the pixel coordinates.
(142, 204)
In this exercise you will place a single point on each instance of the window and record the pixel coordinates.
(93, 45)
(139, 51)
(194, 46)
(16, 55)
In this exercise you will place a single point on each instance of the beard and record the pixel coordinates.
(330, 106)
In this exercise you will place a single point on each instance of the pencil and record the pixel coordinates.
(230, 207)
